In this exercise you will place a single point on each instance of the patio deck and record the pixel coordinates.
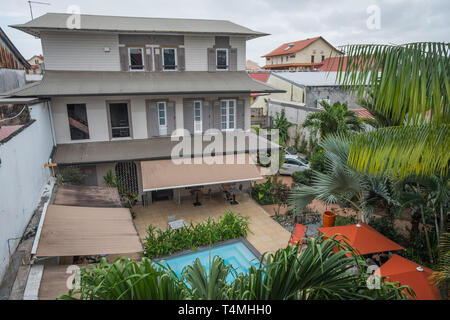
(266, 234)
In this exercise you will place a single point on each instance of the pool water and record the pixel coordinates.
(236, 254)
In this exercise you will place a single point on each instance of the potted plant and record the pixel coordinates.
(329, 218)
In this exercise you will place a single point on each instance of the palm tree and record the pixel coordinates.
(282, 124)
(333, 119)
(342, 183)
(379, 120)
(411, 85)
(316, 273)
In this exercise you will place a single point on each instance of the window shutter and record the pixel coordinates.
(124, 63)
(148, 59)
(181, 59)
(171, 121)
(188, 115)
(206, 116)
(212, 60)
(216, 114)
(240, 114)
(158, 59)
(153, 125)
(233, 59)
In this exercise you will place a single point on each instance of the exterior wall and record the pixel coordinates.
(333, 93)
(196, 52)
(22, 179)
(80, 51)
(96, 108)
(320, 47)
(11, 79)
(240, 44)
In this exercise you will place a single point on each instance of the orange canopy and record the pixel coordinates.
(410, 273)
(298, 234)
(362, 237)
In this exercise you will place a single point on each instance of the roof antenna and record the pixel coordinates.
(36, 2)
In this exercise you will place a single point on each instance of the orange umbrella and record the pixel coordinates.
(410, 273)
(362, 237)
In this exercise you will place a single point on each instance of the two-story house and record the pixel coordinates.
(303, 55)
(119, 86)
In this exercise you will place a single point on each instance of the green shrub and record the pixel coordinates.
(160, 243)
(317, 161)
(70, 175)
(302, 177)
(343, 221)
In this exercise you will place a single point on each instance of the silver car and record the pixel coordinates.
(292, 164)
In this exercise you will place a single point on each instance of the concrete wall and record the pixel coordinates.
(96, 108)
(22, 179)
(11, 79)
(333, 93)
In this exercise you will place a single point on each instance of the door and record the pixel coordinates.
(162, 118)
(126, 173)
(198, 116)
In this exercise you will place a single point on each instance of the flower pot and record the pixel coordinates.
(329, 218)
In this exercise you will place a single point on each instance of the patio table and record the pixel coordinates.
(177, 224)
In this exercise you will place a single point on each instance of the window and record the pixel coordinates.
(136, 58)
(197, 116)
(287, 58)
(169, 56)
(228, 114)
(120, 125)
(281, 59)
(78, 122)
(312, 59)
(222, 59)
(162, 118)
(323, 58)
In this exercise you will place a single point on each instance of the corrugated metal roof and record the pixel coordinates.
(76, 83)
(260, 76)
(361, 112)
(58, 21)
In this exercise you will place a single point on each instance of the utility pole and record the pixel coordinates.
(36, 2)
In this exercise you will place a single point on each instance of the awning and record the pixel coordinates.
(79, 231)
(95, 83)
(166, 174)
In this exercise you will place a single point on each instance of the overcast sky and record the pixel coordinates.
(340, 22)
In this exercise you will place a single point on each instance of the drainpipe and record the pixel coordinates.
(50, 114)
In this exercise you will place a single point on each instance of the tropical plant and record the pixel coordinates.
(165, 242)
(317, 161)
(410, 84)
(282, 125)
(110, 179)
(333, 119)
(303, 177)
(317, 273)
(379, 119)
(341, 183)
(442, 275)
(70, 175)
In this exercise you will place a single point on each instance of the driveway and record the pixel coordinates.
(266, 234)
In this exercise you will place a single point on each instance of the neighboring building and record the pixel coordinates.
(252, 66)
(37, 64)
(300, 55)
(257, 101)
(12, 65)
(119, 86)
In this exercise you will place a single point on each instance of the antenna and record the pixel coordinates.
(36, 2)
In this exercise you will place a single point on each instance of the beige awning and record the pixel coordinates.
(166, 174)
(79, 231)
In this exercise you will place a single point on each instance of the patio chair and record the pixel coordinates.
(297, 234)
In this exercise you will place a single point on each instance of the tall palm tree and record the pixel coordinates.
(333, 119)
(409, 82)
(342, 183)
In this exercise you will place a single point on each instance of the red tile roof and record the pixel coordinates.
(361, 112)
(296, 46)
(331, 64)
(6, 131)
(260, 76)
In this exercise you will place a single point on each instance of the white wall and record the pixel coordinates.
(239, 43)
(80, 51)
(195, 48)
(22, 178)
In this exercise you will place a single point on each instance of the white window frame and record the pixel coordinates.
(162, 128)
(129, 59)
(198, 125)
(176, 59)
(228, 114)
(227, 60)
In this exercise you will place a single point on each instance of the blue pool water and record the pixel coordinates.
(237, 254)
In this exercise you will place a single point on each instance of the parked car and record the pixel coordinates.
(292, 164)
(290, 153)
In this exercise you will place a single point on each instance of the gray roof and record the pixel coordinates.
(86, 83)
(158, 148)
(57, 21)
(309, 78)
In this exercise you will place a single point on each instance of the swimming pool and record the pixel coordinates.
(236, 254)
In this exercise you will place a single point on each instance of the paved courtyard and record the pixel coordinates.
(266, 234)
